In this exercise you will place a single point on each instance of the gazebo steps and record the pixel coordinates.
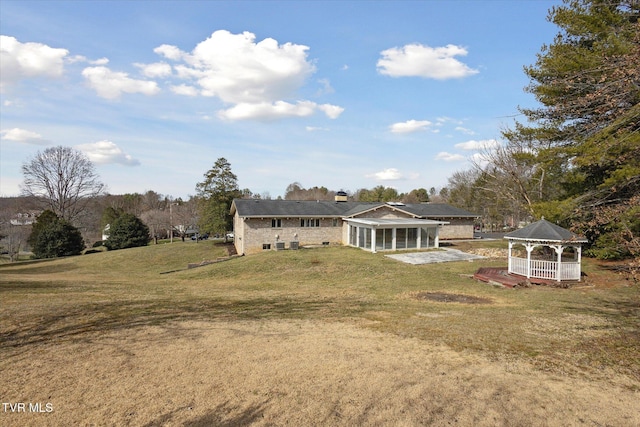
(500, 276)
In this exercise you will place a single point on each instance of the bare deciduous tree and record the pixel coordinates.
(62, 178)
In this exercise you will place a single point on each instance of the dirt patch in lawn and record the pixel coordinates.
(268, 373)
(446, 297)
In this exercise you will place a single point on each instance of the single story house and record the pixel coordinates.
(276, 224)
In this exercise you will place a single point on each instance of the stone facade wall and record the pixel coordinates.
(258, 232)
(238, 231)
(456, 229)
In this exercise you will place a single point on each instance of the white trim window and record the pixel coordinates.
(276, 223)
(309, 222)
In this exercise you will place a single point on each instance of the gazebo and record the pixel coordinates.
(545, 264)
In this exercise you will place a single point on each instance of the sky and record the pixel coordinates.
(341, 94)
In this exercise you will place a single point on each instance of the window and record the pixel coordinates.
(388, 238)
(401, 238)
(276, 223)
(412, 237)
(310, 222)
(335, 222)
(266, 246)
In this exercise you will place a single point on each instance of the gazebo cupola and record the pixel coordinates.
(550, 262)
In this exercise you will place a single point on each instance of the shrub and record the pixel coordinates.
(127, 231)
(53, 237)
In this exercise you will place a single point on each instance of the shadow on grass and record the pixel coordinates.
(223, 415)
(30, 286)
(39, 267)
(619, 346)
(619, 310)
(85, 322)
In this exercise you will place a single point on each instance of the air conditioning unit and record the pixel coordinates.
(294, 245)
(279, 246)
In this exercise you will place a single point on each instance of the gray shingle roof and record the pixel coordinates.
(305, 208)
(437, 210)
(290, 208)
(544, 230)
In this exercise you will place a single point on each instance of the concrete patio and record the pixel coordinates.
(436, 256)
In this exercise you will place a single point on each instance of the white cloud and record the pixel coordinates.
(410, 126)
(106, 152)
(23, 136)
(23, 60)
(424, 61)
(82, 58)
(236, 69)
(315, 129)
(111, 84)
(485, 144)
(444, 120)
(332, 111)
(465, 130)
(277, 110)
(480, 159)
(267, 110)
(449, 157)
(326, 87)
(390, 174)
(184, 90)
(258, 79)
(101, 61)
(169, 52)
(155, 70)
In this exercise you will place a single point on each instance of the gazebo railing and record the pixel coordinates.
(541, 269)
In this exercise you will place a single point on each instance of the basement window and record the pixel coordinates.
(266, 246)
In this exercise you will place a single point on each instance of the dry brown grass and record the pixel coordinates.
(332, 336)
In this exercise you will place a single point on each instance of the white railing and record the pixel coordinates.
(544, 269)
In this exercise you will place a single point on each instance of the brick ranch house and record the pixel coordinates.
(278, 224)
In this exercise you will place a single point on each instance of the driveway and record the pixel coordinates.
(443, 255)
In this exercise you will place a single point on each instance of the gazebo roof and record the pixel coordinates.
(545, 231)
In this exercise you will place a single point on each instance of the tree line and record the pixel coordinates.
(379, 193)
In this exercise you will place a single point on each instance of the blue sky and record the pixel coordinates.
(342, 94)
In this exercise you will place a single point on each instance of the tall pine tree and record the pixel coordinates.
(216, 193)
(586, 132)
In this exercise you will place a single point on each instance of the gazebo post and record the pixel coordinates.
(558, 249)
(529, 247)
(579, 259)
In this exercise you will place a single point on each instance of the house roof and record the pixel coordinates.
(258, 208)
(437, 210)
(546, 231)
